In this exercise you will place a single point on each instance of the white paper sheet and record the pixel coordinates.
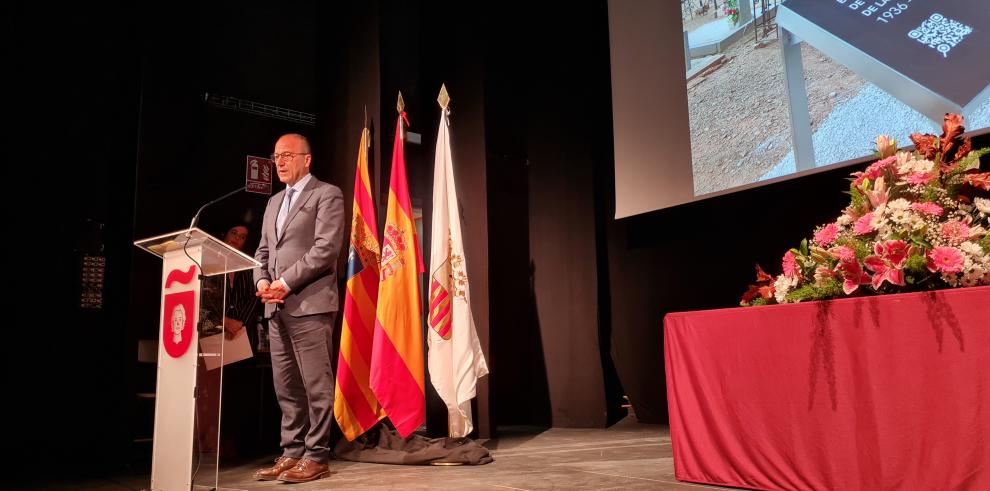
(236, 349)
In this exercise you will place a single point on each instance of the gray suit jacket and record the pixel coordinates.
(306, 253)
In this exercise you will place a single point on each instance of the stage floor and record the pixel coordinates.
(629, 455)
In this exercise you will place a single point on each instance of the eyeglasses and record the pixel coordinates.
(286, 155)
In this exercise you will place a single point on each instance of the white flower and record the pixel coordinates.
(971, 249)
(900, 217)
(952, 279)
(983, 205)
(974, 272)
(899, 204)
(879, 222)
(783, 286)
(899, 212)
(976, 265)
(903, 158)
(913, 166)
(844, 220)
(970, 279)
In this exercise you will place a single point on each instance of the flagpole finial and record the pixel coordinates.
(400, 105)
(444, 97)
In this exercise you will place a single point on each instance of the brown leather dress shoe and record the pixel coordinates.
(271, 473)
(306, 470)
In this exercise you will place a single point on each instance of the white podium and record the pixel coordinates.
(194, 265)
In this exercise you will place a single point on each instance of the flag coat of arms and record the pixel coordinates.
(456, 361)
(397, 367)
(355, 406)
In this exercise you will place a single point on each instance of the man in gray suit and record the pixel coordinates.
(301, 237)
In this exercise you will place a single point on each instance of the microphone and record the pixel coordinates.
(195, 219)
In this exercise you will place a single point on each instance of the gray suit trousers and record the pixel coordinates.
(304, 383)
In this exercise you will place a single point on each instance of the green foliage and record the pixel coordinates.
(971, 160)
(805, 261)
(859, 200)
(829, 288)
(916, 266)
(930, 194)
(758, 301)
(731, 8)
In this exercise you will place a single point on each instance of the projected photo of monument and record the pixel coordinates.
(854, 69)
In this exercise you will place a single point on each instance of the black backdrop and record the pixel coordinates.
(573, 299)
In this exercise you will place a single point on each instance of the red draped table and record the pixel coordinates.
(870, 393)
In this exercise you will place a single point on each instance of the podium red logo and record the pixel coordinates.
(178, 314)
(177, 322)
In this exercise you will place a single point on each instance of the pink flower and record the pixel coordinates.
(826, 235)
(852, 274)
(842, 253)
(790, 266)
(879, 193)
(927, 208)
(863, 226)
(875, 170)
(849, 215)
(945, 259)
(882, 271)
(822, 273)
(919, 178)
(886, 264)
(955, 232)
(886, 146)
(895, 251)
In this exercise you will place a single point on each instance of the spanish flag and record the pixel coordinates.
(355, 406)
(397, 375)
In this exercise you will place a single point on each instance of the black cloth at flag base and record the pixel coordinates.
(383, 445)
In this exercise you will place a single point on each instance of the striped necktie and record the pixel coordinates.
(283, 213)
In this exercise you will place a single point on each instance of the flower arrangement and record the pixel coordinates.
(731, 10)
(916, 221)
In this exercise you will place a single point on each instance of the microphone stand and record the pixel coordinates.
(195, 219)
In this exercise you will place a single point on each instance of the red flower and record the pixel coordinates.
(762, 289)
(950, 145)
(925, 144)
(979, 180)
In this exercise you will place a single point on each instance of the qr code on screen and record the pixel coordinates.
(940, 33)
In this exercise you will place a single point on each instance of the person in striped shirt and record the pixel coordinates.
(242, 303)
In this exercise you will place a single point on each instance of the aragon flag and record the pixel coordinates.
(355, 406)
(456, 361)
(397, 374)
